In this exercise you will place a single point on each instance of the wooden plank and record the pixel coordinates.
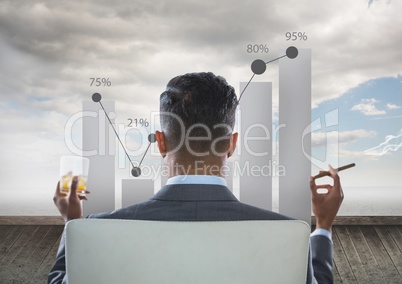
(391, 274)
(396, 235)
(352, 255)
(31, 220)
(43, 270)
(393, 250)
(22, 259)
(6, 274)
(341, 261)
(10, 239)
(366, 256)
(4, 231)
(18, 244)
(45, 245)
(30, 246)
(335, 273)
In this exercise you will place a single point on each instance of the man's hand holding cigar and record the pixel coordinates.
(326, 205)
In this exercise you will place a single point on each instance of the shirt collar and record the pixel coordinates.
(194, 192)
(196, 179)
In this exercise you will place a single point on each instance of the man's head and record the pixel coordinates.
(197, 116)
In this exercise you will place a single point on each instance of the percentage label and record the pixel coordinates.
(296, 36)
(100, 81)
(138, 122)
(257, 48)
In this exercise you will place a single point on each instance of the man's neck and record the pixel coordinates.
(211, 166)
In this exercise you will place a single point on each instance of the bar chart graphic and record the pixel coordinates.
(251, 172)
(256, 145)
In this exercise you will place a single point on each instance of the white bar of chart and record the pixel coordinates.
(98, 144)
(256, 144)
(295, 115)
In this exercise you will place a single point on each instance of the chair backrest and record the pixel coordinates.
(133, 251)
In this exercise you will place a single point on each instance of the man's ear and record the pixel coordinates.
(160, 138)
(233, 143)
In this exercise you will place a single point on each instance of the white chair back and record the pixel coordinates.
(133, 251)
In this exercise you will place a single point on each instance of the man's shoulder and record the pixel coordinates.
(222, 211)
(248, 212)
(192, 204)
(128, 212)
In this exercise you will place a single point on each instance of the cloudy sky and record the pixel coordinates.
(50, 49)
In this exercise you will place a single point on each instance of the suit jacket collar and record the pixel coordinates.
(194, 192)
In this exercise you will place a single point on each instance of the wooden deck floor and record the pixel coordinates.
(362, 254)
(27, 252)
(367, 254)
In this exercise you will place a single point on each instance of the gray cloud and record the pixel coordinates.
(138, 42)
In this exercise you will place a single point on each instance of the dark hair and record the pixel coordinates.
(197, 103)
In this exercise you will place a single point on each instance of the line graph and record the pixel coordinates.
(259, 66)
(136, 170)
(255, 103)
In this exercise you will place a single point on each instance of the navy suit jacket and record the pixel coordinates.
(201, 202)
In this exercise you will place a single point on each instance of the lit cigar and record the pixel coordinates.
(326, 173)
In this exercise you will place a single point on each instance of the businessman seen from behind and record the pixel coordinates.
(195, 141)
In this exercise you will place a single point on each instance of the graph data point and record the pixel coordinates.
(152, 138)
(136, 171)
(258, 66)
(292, 52)
(96, 97)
